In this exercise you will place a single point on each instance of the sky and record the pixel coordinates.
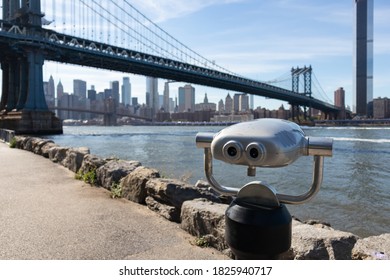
(258, 39)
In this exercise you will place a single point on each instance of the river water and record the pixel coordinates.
(354, 197)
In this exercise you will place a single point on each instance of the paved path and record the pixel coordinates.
(46, 214)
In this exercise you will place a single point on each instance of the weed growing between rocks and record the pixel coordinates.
(116, 190)
(12, 143)
(88, 177)
(202, 242)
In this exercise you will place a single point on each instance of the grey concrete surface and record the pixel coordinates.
(46, 214)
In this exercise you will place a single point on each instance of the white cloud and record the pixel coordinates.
(160, 11)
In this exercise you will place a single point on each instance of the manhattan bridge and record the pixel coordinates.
(111, 35)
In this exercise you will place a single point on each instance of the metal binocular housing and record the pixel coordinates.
(264, 143)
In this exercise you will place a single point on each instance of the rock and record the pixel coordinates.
(317, 223)
(204, 185)
(174, 192)
(24, 143)
(19, 141)
(206, 219)
(372, 248)
(170, 213)
(314, 243)
(134, 185)
(91, 163)
(57, 154)
(113, 171)
(30, 143)
(74, 158)
(46, 147)
(201, 184)
(37, 148)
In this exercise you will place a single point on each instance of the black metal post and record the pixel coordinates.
(255, 232)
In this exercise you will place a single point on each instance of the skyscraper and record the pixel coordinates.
(243, 103)
(92, 93)
(50, 88)
(114, 86)
(221, 106)
(339, 101)
(228, 104)
(126, 91)
(339, 98)
(363, 58)
(60, 90)
(236, 102)
(152, 94)
(166, 98)
(80, 89)
(187, 99)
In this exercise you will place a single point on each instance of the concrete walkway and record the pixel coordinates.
(46, 214)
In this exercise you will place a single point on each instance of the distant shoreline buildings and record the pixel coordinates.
(162, 108)
(234, 107)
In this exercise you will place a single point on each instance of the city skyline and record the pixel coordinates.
(263, 40)
(186, 93)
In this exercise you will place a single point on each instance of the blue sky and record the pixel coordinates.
(259, 39)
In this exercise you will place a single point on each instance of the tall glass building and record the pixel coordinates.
(363, 58)
(152, 98)
(126, 91)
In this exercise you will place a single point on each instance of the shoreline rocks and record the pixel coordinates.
(198, 209)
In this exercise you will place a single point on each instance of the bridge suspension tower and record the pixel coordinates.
(296, 74)
(23, 106)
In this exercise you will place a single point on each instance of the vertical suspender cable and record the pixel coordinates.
(117, 13)
(43, 6)
(80, 21)
(64, 16)
(87, 19)
(123, 35)
(72, 14)
(53, 8)
(107, 27)
(101, 24)
(83, 19)
(92, 23)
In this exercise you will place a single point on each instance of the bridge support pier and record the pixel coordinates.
(23, 106)
(31, 122)
(109, 118)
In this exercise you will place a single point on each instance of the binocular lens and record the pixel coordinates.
(232, 151)
(254, 153)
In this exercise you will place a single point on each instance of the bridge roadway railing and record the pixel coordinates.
(70, 49)
(6, 135)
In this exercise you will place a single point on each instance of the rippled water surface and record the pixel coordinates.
(355, 195)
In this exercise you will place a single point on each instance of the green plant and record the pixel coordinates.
(79, 175)
(88, 177)
(116, 190)
(12, 143)
(202, 242)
